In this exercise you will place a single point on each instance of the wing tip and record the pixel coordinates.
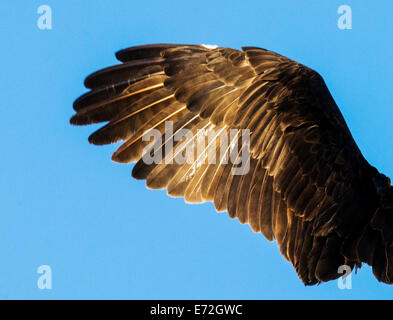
(79, 120)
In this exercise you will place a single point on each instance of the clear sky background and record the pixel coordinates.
(63, 203)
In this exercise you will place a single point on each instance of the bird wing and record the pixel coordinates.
(307, 184)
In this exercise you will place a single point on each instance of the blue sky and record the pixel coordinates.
(66, 205)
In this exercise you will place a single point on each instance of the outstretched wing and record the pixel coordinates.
(307, 185)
